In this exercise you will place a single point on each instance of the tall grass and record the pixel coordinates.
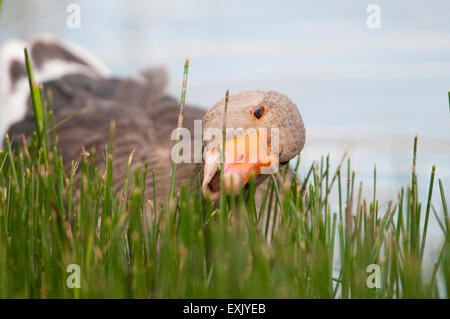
(295, 244)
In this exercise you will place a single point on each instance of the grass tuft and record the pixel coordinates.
(294, 245)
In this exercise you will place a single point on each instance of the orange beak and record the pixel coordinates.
(245, 156)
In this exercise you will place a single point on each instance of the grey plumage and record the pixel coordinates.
(85, 105)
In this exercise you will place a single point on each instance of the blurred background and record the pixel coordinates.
(368, 91)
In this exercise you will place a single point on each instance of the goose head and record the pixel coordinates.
(264, 130)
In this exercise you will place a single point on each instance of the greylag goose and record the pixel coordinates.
(86, 99)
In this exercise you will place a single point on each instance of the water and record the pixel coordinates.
(368, 91)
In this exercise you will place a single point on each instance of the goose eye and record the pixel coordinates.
(259, 112)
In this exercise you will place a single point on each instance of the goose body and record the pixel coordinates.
(86, 99)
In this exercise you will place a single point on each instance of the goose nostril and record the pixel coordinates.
(232, 183)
